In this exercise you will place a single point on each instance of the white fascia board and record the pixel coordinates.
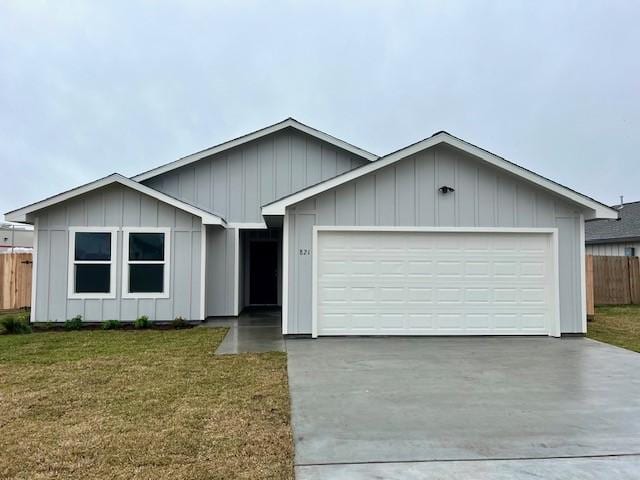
(597, 209)
(21, 214)
(207, 217)
(289, 122)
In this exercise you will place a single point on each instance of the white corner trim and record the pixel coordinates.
(583, 276)
(166, 282)
(599, 210)
(34, 274)
(554, 323)
(71, 262)
(289, 122)
(556, 332)
(203, 271)
(314, 282)
(285, 275)
(208, 218)
(236, 272)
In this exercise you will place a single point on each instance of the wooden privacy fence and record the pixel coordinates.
(612, 280)
(15, 278)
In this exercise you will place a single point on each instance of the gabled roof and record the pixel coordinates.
(287, 123)
(625, 229)
(598, 210)
(20, 215)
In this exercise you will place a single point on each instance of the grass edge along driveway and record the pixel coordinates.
(141, 404)
(617, 325)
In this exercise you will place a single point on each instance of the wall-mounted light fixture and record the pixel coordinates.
(445, 189)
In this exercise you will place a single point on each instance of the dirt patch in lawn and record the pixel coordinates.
(141, 404)
(618, 325)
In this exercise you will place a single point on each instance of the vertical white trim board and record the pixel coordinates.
(236, 272)
(555, 241)
(583, 276)
(285, 275)
(34, 267)
(203, 271)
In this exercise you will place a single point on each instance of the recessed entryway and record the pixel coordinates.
(260, 267)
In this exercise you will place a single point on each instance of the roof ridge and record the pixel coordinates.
(278, 206)
(625, 203)
(288, 122)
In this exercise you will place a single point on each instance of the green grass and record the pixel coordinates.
(618, 325)
(141, 404)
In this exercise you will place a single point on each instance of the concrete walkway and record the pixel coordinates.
(589, 468)
(254, 331)
(482, 408)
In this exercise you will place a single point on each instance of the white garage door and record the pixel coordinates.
(428, 283)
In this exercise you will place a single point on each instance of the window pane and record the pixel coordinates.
(146, 278)
(93, 278)
(93, 246)
(146, 246)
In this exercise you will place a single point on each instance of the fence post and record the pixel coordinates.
(634, 279)
(591, 310)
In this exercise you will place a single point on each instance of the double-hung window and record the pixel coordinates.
(92, 266)
(145, 267)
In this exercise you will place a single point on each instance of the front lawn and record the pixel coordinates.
(141, 404)
(618, 325)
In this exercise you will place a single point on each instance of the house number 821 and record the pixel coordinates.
(305, 251)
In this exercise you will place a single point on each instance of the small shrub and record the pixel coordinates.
(142, 322)
(13, 324)
(74, 323)
(179, 322)
(111, 324)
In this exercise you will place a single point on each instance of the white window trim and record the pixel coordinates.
(71, 275)
(166, 262)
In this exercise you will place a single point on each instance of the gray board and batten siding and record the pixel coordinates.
(236, 183)
(116, 206)
(406, 194)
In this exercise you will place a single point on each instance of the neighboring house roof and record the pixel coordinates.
(20, 215)
(600, 210)
(287, 123)
(625, 229)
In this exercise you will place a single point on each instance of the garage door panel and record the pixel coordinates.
(425, 283)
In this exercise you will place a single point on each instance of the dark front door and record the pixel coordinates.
(263, 273)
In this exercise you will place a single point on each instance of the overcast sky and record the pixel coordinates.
(90, 88)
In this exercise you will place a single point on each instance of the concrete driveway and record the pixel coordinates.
(464, 407)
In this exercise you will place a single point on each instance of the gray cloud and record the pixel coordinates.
(89, 88)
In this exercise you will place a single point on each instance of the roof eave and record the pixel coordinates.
(24, 214)
(287, 123)
(600, 241)
(592, 208)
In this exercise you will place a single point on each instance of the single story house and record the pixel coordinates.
(438, 238)
(615, 238)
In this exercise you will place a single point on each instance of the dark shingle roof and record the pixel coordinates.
(628, 227)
